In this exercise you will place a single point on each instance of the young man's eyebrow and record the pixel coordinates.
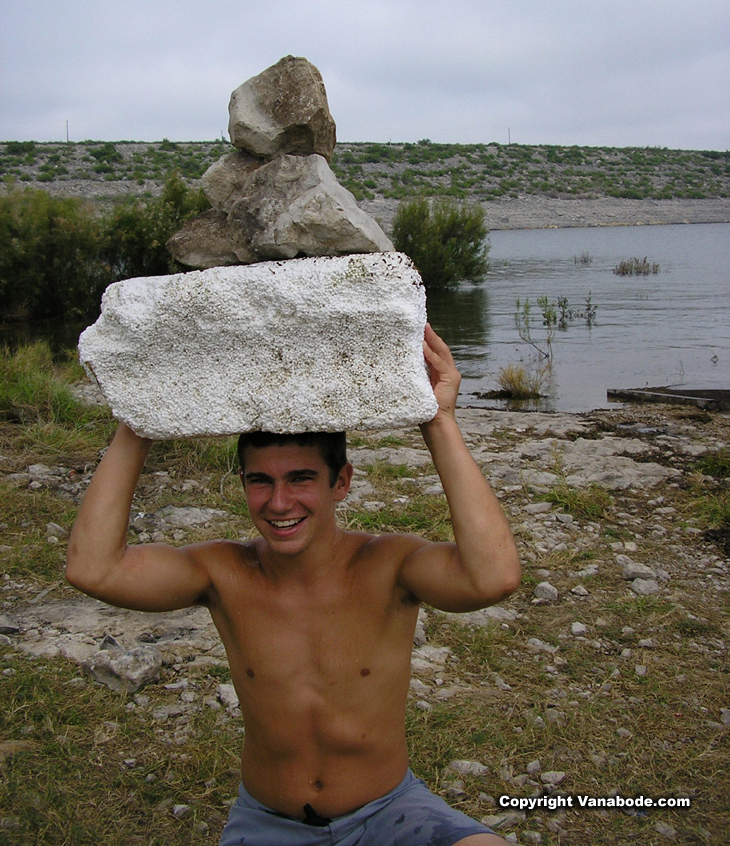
(305, 471)
(264, 477)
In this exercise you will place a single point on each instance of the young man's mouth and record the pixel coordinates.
(285, 524)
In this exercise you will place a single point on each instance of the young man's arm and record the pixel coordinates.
(482, 567)
(148, 577)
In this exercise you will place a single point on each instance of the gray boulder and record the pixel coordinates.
(276, 197)
(295, 206)
(645, 587)
(634, 569)
(225, 179)
(292, 206)
(208, 241)
(282, 110)
(125, 671)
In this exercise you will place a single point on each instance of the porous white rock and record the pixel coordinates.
(314, 344)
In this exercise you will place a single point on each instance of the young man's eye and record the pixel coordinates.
(253, 481)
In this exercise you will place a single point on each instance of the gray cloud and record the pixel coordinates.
(608, 72)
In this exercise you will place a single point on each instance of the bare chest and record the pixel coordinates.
(324, 638)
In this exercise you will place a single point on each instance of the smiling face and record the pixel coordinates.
(290, 499)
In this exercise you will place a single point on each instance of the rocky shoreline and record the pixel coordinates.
(635, 592)
(541, 212)
(635, 454)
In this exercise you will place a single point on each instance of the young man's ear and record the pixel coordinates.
(342, 485)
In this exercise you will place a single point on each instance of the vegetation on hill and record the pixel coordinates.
(484, 172)
(478, 172)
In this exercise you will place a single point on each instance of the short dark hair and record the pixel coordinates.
(332, 446)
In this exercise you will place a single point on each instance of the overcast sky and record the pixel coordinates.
(586, 72)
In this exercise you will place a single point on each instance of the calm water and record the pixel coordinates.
(670, 329)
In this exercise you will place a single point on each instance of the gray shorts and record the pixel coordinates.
(410, 815)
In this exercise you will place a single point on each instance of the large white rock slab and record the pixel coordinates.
(313, 344)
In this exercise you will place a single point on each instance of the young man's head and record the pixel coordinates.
(332, 447)
(293, 484)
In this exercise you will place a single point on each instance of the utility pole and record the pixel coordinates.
(67, 132)
(509, 137)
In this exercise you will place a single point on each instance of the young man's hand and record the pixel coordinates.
(445, 378)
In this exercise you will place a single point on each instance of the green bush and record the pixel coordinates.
(50, 263)
(446, 242)
(57, 255)
(136, 232)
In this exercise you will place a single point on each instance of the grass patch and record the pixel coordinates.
(716, 464)
(35, 390)
(593, 503)
(385, 471)
(427, 516)
(518, 382)
(25, 515)
(99, 769)
(194, 457)
(35, 395)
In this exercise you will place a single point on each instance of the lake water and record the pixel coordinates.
(669, 329)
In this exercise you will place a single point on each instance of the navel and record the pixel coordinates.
(250, 673)
(317, 785)
(365, 671)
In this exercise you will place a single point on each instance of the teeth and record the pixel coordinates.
(283, 524)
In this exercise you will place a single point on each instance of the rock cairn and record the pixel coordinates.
(276, 196)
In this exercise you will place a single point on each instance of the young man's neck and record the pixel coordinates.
(319, 558)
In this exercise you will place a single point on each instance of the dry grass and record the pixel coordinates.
(519, 382)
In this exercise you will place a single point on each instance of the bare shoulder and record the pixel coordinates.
(391, 549)
(214, 554)
(226, 562)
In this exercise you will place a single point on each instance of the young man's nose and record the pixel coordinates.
(281, 499)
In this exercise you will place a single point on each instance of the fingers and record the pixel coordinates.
(437, 344)
(436, 351)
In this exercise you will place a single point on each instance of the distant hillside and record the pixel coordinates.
(375, 172)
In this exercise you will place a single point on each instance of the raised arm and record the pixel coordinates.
(147, 577)
(482, 567)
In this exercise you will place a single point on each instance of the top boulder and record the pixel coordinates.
(283, 110)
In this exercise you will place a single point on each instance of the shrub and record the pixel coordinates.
(636, 267)
(57, 255)
(49, 256)
(136, 232)
(19, 148)
(446, 242)
(519, 382)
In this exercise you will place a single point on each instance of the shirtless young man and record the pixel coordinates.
(318, 626)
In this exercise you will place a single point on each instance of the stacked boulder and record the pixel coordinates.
(276, 196)
(318, 327)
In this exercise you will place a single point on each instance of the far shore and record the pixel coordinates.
(532, 211)
(541, 212)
